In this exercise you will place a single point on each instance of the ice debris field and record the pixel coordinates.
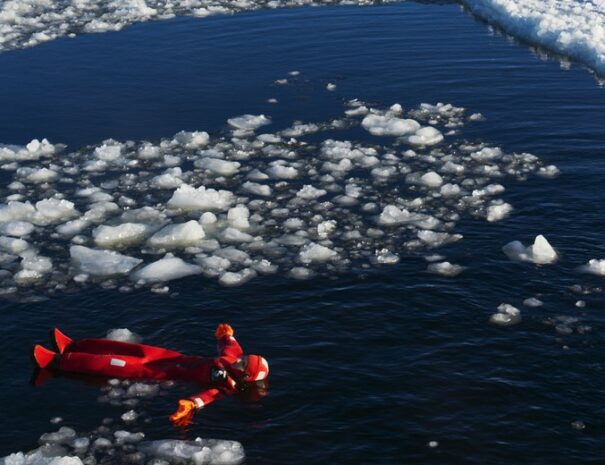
(110, 445)
(249, 202)
(575, 29)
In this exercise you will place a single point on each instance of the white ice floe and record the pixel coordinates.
(533, 302)
(445, 269)
(250, 122)
(120, 236)
(101, 262)
(572, 28)
(507, 315)
(166, 269)
(178, 236)
(235, 205)
(498, 211)
(388, 125)
(427, 135)
(189, 198)
(316, 253)
(594, 266)
(541, 252)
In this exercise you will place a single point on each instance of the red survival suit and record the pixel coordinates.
(114, 359)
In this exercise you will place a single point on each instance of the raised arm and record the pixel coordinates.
(228, 348)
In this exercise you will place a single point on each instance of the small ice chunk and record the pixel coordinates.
(507, 315)
(191, 140)
(121, 236)
(498, 211)
(249, 122)
(385, 257)
(325, 228)
(445, 269)
(594, 266)
(316, 253)
(258, 189)
(166, 269)
(237, 279)
(13, 245)
(431, 179)
(299, 272)
(238, 217)
(541, 252)
(188, 198)
(532, 302)
(177, 236)
(16, 228)
(130, 416)
(218, 166)
(386, 125)
(550, 171)
(391, 215)
(309, 192)
(101, 262)
(426, 136)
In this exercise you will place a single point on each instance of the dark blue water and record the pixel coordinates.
(366, 367)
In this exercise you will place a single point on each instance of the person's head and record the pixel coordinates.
(251, 368)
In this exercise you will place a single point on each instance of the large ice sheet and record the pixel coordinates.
(572, 28)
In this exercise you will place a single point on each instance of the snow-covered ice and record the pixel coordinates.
(572, 28)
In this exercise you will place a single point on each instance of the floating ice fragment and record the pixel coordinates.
(594, 266)
(507, 315)
(532, 302)
(385, 125)
(431, 179)
(316, 253)
(385, 257)
(178, 236)
(165, 269)
(101, 262)
(250, 122)
(498, 211)
(188, 198)
(121, 236)
(550, 171)
(426, 136)
(541, 252)
(258, 189)
(445, 269)
(237, 279)
(218, 166)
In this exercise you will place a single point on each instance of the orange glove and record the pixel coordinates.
(184, 415)
(223, 330)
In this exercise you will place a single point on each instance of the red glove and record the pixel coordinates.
(184, 415)
(223, 330)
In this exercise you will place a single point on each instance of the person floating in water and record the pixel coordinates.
(231, 372)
